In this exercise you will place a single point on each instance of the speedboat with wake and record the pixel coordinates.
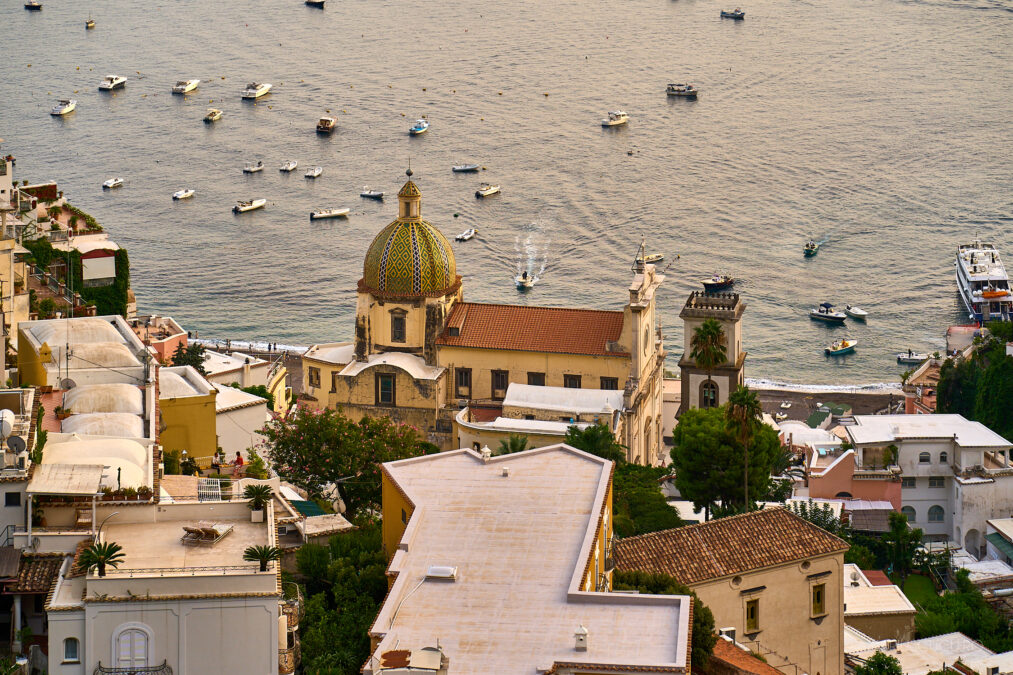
(825, 312)
(183, 194)
(421, 126)
(253, 168)
(841, 347)
(811, 248)
(65, 106)
(324, 214)
(524, 281)
(983, 283)
(251, 205)
(486, 190)
(185, 86)
(466, 235)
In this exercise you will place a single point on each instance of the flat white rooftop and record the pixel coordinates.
(230, 398)
(922, 656)
(563, 399)
(866, 599)
(338, 353)
(216, 363)
(890, 428)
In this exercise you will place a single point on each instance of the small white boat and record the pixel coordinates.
(112, 82)
(466, 235)
(183, 194)
(329, 213)
(214, 114)
(524, 281)
(113, 183)
(290, 165)
(780, 417)
(679, 89)
(253, 204)
(465, 168)
(314, 172)
(825, 312)
(911, 358)
(326, 125)
(486, 189)
(64, 107)
(734, 14)
(185, 86)
(785, 405)
(255, 90)
(652, 258)
(253, 168)
(616, 118)
(856, 312)
(371, 194)
(421, 126)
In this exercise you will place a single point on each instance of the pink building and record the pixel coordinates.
(161, 333)
(834, 473)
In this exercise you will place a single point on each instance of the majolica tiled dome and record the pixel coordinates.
(409, 258)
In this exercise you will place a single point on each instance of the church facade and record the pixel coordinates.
(421, 354)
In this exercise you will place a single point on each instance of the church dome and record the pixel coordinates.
(409, 258)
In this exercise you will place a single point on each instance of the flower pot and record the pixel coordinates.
(257, 516)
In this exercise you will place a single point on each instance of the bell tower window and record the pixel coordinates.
(398, 328)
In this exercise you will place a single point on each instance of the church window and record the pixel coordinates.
(500, 381)
(397, 328)
(335, 374)
(709, 394)
(536, 379)
(314, 377)
(571, 381)
(463, 379)
(610, 383)
(386, 393)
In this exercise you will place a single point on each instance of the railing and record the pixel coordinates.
(292, 606)
(289, 659)
(163, 669)
(224, 570)
(7, 536)
(610, 563)
(602, 585)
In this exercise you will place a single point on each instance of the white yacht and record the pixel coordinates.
(983, 283)
(185, 86)
(113, 183)
(486, 189)
(64, 107)
(329, 213)
(253, 204)
(288, 166)
(256, 90)
(183, 194)
(253, 168)
(112, 82)
(314, 172)
(616, 118)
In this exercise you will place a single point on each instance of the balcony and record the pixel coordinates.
(290, 658)
(163, 669)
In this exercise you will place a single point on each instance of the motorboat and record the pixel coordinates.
(910, 358)
(64, 107)
(371, 194)
(288, 166)
(183, 194)
(326, 125)
(33, 5)
(252, 205)
(486, 189)
(253, 168)
(421, 126)
(615, 118)
(465, 168)
(811, 248)
(524, 281)
(329, 213)
(314, 172)
(684, 90)
(255, 90)
(466, 235)
(185, 86)
(214, 114)
(983, 283)
(780, 417)
(825, 312)
(718, 282)
(111, 82)
(785, 405)
(315, 3)
(841, 347)
(89, 24)
(653, 258)
(734, 14)
(113, 183)
(856, 312)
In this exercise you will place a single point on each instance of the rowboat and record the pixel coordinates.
(329, 213)
(840, 347)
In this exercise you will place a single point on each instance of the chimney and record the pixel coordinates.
(506, 471)
(581, 639)
(486, 453)
(891, 645)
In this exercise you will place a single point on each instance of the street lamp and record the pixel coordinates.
(98, 535)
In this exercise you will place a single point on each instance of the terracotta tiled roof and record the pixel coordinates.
(720, 548)
(533, 329)
(36, 573)
(877, 577)
(740, 659)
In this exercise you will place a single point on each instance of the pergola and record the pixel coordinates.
(65, 480)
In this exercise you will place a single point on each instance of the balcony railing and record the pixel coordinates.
(183, 571)
(602, 585)
(164, 669)
(289, 659)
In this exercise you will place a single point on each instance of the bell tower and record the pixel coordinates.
(709, 387)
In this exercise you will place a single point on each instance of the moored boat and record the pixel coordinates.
(185, 86)
(183, 194)
(679, 89)
(983, 283)
(290, 165)
(314, 172)
(113, 183)
(734, 14)
(840, 347)
(811, 248)
(326, 125)
(33, 5)
(421, 126)
(315, 3)
(329, 213)
(255, 90)
(371, 194)
(110, 82)
(652, 258)
(89, 24)
(524, 281)
(825, 312)
(465, 168)
(486, 190)
(615, 118)
(856, 312)
(466, 235)
(213, 115)
(253, 168)
(64, 106)
(718, 282)
(251, 205)
(910, 358)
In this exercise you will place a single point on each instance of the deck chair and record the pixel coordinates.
(214, 534)
(191, 535)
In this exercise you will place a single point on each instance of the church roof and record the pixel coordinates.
(410, 189)
(533, 329)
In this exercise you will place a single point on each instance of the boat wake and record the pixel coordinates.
(871, 388)
(532, 250)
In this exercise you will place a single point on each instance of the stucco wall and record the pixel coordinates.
(900, 627)
(237, 429)
(189, 424)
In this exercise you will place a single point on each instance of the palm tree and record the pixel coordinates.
(262, 554)
(100, 554)
(515, 443)
(259, 496)
(743, 414)
(708, 346)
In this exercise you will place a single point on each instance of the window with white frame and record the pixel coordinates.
(71, 650)
(131, 646)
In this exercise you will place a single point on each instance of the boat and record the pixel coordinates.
(329, 213)
(326, 125)
(90, 23)
(780, 417)
(524, 281)
(983, 283)
(486, 190)
(185, 86)
(252, 205)
(785, 405)
(315, 3)
(370, 194)
(314, 172)
(214, 114)
(466, 235)
(734, 14)
(685, 90)
(652, 258)
(465, 168)
(421, 126)
(718, 282)
(910, 358)
(825, 312)
(255, 90)
(856, 312)
(112, 82)
(616, 118)
(811, 248)
(290, 165)
(253, 168)
(113, 183)
(33, 5)
(64, 107)
(183, 194)
(841, 347)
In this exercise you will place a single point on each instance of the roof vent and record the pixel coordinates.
(486, 453)
(506, 471)
(442, 573)
(581, 639)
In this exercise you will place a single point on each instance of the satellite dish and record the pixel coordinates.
(67, 384)
(7, 419)
(17, 444)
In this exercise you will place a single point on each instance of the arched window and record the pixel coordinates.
(924, 458)
(843, 495)
(910, 513)
(131, 645)
(71, 650)
(943, 458)
(936, 514)
(709, 394)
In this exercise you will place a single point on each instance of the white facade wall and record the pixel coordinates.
(980, 501)
(237, 429)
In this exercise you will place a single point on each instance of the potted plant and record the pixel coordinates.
(262, 554)
(144, 492)
(62, 413)
(100, 554)
(259, 496)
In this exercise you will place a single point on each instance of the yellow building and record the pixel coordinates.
(187, 405)
(421, 353)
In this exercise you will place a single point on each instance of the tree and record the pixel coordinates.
(596, 440)
(743, 413)
(257, 390)
(319, 449)
(965, 611)
(901, 544)
(638, 506)
(708, 345)
(861, 556)
(514, 443)
(99, 555)
(703, 638)
(191, 355)
(259, 495)
(880, 663)
(981, 387)
(262, 554)
(822, 516)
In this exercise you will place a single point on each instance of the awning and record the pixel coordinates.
(1001, 543)
(66, 479)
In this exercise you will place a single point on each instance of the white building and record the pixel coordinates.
(247, 370)
(239, 418)
(940, 652)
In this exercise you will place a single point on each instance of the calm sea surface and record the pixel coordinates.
(883, 127)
